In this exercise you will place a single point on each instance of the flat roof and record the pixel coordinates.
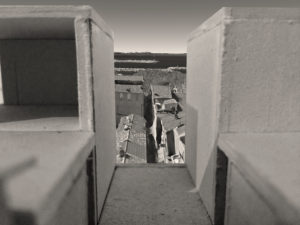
(170, 122)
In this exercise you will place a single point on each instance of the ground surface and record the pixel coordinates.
(153, 195)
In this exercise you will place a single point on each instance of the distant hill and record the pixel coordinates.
(147, 60)
(155, 68)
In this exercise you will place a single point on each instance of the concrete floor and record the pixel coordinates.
(144, 195)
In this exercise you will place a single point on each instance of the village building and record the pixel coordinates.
(159, 94)
(129, 96)
(129, 100)
(168, 118)
(171, 132)
(131, 140)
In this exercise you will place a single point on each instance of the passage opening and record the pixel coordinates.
(38, 74)
(150, 91)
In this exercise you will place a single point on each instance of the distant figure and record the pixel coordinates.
(174, 90)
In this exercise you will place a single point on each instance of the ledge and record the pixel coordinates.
(39, 118)
(227, 15)
(48, 12)
(270, 162)
(59, 156)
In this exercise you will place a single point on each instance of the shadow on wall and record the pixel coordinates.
(191, 139)
(24, 218)
(148, 108)
(205, 187)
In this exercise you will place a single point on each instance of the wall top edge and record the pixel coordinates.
(63, 156)
(55, 11)
(227, 15)
(255, 155)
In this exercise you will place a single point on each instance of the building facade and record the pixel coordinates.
(129, 96)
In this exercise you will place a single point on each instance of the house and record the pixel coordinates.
(159, 94)
(129, 100)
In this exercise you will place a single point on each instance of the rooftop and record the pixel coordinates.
(129, 88)
(170, 122)
(170, 101)
(161, 91)
(131, 137)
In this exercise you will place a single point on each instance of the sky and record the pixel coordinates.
(156, 25)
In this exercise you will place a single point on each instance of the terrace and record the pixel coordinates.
(242, 132)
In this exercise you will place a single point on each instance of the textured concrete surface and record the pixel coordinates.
(36, 193)
(69, 61)
(153, 195)
(242, 76)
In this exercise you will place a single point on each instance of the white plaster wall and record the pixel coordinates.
(261, 76)
(104, 109)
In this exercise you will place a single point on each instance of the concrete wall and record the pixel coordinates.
(104, 109)
(74, 206)
(260, 79)
(245, 206)
(242, 76)
(39, 71)
(203, 72)
(4, 212)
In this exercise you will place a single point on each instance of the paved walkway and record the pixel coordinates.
(153, 195)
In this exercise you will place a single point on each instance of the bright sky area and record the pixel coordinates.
(156, 25)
